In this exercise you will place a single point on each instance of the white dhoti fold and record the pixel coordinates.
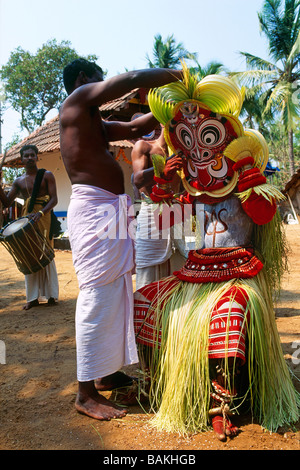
(153, 248)
(43, 283)
(102, 252)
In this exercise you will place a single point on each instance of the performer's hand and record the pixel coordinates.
(260, 209)
(249, 176)
(173, 164)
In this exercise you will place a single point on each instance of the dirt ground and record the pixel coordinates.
(38, 380)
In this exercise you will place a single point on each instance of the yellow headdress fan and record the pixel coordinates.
(217, 92)
(263, 156)
(251, 144)
(221, 94)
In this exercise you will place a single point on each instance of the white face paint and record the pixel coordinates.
(202, 136)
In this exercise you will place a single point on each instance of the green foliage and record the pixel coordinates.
(14, 141)
(275, 81)
(10, 174)
(33, 82)
(211, 68)
(167, 54)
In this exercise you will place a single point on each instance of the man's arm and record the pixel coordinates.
(117, 130)
(142, 175)
(51, 184)
(95, 94)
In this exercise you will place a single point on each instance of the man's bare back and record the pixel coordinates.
(84, 136)
(84, 146)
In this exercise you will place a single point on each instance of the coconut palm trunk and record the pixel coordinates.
(291, 151)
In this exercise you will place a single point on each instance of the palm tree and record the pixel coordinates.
(280, 23)
(211, 68)
(167, 54)
(253, 111)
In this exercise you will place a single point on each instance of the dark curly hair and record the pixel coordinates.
(29, 147)
(72, 70)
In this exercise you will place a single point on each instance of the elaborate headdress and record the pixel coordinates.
(201, 121)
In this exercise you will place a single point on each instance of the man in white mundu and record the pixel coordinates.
(104, 314)
(102, 253)
(155, 251)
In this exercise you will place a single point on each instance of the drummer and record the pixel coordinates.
(43, 283)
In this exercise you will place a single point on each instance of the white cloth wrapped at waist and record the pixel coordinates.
(152, 246)
(102, 253)
(98, 222)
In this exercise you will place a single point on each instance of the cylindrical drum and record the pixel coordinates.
(27, 245)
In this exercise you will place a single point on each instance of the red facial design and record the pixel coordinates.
(202, 136)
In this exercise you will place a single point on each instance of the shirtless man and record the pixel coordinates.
(91, 167)
(155, 258)
(46, 200)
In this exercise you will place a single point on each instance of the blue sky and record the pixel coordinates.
(122, 33)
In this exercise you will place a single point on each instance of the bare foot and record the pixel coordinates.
(231, 430)
(33, 303)
(113, 381)
(98, 407)
(218, 427)
(224, 427)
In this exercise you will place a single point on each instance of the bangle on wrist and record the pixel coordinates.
(41, 212)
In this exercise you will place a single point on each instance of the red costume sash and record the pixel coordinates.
(219, 265)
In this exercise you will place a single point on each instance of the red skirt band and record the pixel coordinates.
(219, 265)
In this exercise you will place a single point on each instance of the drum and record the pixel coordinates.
(27, 245)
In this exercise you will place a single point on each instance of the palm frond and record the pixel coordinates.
(257, 62)
(279, 22)
(295, 51)
(281, 99)
(255, 77)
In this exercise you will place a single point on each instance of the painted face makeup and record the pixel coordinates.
(202, 136)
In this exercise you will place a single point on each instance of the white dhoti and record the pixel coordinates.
(43, 283)
(102, 252)
(155, 257)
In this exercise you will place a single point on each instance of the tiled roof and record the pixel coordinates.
(118, 103)
(46, 137)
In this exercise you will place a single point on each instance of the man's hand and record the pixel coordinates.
(35, 216)
(173, 164)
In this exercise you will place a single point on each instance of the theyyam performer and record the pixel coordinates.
(207, 334)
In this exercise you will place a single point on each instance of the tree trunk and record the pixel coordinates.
(291, 153)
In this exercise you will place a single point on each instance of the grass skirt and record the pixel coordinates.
(180, 366)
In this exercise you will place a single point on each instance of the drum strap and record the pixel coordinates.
(36, 187)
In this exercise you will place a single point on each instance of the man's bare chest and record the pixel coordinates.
(26, 186)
